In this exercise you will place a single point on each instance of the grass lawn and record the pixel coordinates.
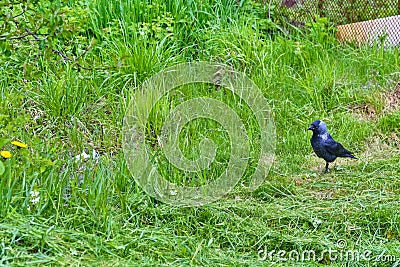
(68, 72)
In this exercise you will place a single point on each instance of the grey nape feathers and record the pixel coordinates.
(325, 146)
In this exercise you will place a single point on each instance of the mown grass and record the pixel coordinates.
(93, 212)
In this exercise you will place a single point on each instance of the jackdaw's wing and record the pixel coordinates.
(336, 148)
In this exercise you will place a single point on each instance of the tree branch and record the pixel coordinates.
(66, 58)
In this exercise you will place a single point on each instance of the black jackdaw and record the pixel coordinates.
(325, 146)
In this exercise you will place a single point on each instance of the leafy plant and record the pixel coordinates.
(19, 163)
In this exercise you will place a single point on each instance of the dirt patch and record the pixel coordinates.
(301, 181)
(392, 99)
(395, 140)
(364, 111)
(379, 149)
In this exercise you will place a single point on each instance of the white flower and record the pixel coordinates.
(95, 156)
(82, 156)
(35, 197)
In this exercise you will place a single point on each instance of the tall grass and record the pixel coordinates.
(93, 213)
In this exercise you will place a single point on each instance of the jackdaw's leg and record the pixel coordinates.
(326, 167)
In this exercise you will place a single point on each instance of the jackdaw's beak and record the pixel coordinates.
(312, 127)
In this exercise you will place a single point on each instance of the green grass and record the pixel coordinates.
(94, 213)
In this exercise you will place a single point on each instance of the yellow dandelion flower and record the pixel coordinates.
(5, 154)
(19, 144)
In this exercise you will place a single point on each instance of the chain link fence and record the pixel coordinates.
(359, 21)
